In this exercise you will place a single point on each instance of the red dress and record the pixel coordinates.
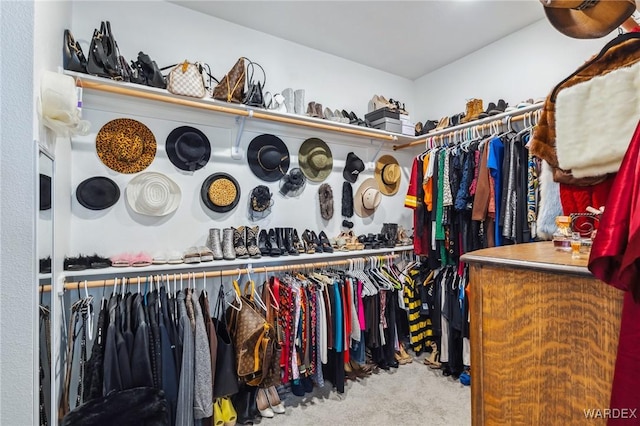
(615, 259)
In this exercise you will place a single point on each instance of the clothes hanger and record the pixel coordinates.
(89, 302)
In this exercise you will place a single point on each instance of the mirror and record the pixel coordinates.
(44, 238)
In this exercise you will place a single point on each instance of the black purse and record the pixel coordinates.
(73, 58)
(146, 71)
(254, 96)
(103, 58)
(226, 380)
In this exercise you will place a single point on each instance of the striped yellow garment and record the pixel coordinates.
(419, 325)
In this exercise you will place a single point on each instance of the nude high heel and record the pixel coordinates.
(263, 404)
(274, 400)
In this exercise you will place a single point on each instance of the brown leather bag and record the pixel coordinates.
(272, 377)
(252, 335)
(231, 87)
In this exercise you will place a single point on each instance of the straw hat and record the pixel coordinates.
(268, 157)
(188, 148)
(589, 18)
(97, 193)
(126, 145)
(388, 174)
(315, 160)
(220, 192)
(367, 198)
(153, 194)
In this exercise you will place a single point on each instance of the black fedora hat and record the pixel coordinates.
(97, 193)
(268, 157)
(220, 192)
(188, 148)
(352, 168)
(45, 192)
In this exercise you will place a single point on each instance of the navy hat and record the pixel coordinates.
(188, 148)
(352, 168)
(268, 157)
(98, 193)
(45, 192)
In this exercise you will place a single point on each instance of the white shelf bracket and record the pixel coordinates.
(236, 154)
(371, 165)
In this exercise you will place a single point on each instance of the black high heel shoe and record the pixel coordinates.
(316, 242)
(308, 241)
(297, 243)
(263, 243)
(325, 243)
(272, 243)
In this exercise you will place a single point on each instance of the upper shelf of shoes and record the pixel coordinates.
(161, 95)
(231, 264)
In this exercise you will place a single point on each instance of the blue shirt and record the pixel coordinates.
(494, 163)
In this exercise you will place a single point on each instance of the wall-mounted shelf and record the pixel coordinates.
(228, 264)
(161, 95)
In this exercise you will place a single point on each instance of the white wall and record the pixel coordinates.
(335, 82)
(170, 33)
(526, 64)
(119, 229)
(18, 211)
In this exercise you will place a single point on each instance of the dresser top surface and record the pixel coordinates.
(538, 256)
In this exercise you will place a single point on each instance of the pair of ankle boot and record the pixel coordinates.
(236, 243)
(280, 242)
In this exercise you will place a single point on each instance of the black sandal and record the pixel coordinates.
(326, 244)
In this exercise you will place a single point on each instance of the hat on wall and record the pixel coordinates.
(588, 18)
(315, 160)
(45, 192)
(58, 105)
(367, 198)
(153, 194)
(97, 193)
(388, 174)
(126, 145)
(188, 148)
(352, 167)
(268, 157)
(292, 184)
(220, 192)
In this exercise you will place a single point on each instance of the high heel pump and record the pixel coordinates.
(311, 246)
(316, 242)
(263, 404)
(274, 400)
(325, 243)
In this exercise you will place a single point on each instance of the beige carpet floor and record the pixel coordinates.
(412, 394)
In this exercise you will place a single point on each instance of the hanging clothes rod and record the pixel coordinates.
(127, 91)
(516, 115)
(215, 274)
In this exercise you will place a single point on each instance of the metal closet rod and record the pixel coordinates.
(220, 108)
(214, 274)
(516, 115)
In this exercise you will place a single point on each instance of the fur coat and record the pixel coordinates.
(622, 52)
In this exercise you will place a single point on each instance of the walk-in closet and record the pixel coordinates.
(302, 213)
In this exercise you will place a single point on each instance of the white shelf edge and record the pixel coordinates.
(227, 264)
(397, 137)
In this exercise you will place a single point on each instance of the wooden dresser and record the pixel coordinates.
(544, 335)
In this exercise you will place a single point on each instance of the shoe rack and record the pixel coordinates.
(224, 268)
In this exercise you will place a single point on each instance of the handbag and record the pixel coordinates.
(73, 58)
(254, 338)
(273, 376)
(225, 381)
(186, 79)
(254, 96)
(103, 58)
(231, 87)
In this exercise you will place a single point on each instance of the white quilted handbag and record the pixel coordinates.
(186, 79)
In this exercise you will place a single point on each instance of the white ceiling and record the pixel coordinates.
(405, 38)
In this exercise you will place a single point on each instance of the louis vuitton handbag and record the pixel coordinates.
(253, 337)
(186, 79)
(231, 87)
